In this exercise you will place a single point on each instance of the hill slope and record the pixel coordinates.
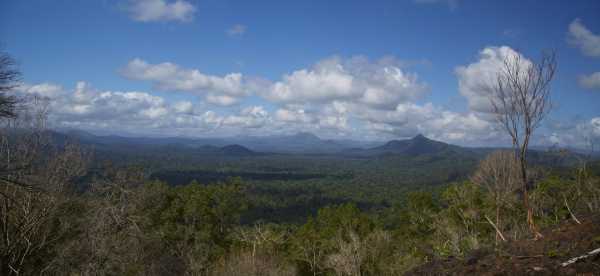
(530, 257)
(416, 146)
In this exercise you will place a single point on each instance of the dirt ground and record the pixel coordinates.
(530, 257)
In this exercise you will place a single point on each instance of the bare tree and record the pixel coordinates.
(350, 255)
(499, 175)
(520, 100)
(586, 191)
(34, 176)
(9, 77)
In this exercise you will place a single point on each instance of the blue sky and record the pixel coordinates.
(358, 69)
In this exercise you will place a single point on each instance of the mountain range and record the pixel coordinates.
(299, 143)
(302, 142)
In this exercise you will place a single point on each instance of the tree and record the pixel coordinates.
(9, 77)
(332, 230)
(520, 100)
(499, 175)
(459, 227)
(36, 176)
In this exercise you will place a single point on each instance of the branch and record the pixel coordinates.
(571, 213)
(495, 227)
(584, 256)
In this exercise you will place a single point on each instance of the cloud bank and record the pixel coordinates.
(336, 97)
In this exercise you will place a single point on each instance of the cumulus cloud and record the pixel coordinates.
(88, 108)
(410, 119)
(336, 97)
(595, 126)
(294, 116)
(378, 84)
(322, 119)
(581, 37)
(46, 90)
(249, 117)
(591, 81)
(581, 134)
(342, 96)
(161, 10)
(221, 90)
(236, 30)
(476, 79)
(183, 107)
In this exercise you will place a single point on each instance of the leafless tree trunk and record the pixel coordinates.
(520, 100)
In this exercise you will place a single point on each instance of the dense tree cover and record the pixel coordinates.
(126, 224)
(62, 211)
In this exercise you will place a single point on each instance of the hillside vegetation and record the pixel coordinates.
(68, 207)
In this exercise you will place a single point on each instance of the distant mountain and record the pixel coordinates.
(214, 151)
(87, 137)
(236, 150)
(299, 143)
(416, 146)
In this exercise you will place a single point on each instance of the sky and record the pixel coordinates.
(365, 70)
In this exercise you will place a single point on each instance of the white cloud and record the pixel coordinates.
(142, 113)
(44, 90)
(475, 79)
(183, 107)
(88, 108)
(351, 97)
(223, 100)
(382, 84)
(336, 97)
(378, 84)
(581, 134)
(584, 39)
(595, 126)
(236, 30)
(225, 90)
(410, 119)
(293, 116)
(161, 10)
(249, 117)
(591, 81)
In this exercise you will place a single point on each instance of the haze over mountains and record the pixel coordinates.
(302, 142)
(299, 143)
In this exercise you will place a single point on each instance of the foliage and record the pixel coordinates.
(63, 212)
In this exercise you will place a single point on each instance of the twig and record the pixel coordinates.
(527, 257)
(495, 227)
(584, 256)
(571, 213)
